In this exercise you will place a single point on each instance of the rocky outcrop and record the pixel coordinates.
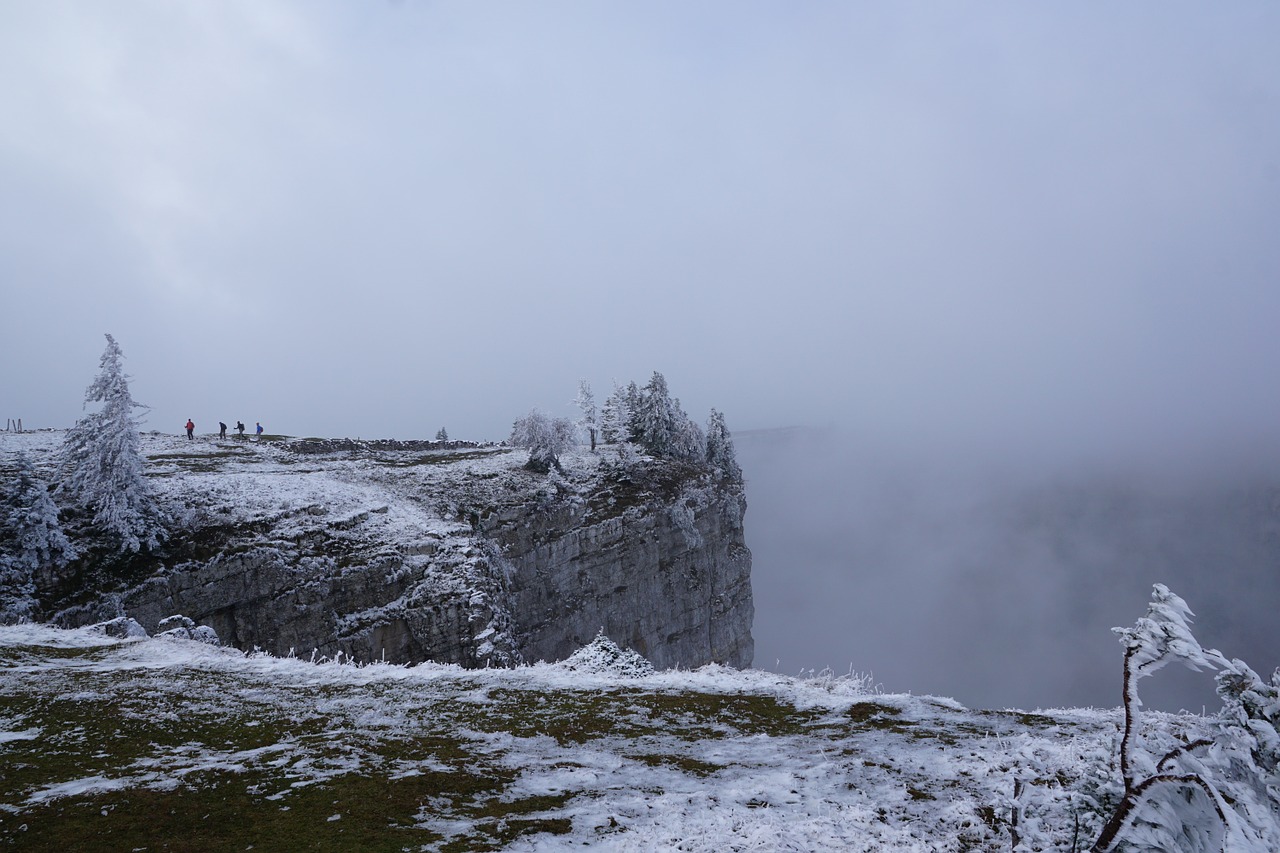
(449, 554)
(655, 560)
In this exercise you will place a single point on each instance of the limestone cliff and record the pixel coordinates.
(412, 551)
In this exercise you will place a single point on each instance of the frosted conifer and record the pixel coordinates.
(29, 520)
(33, 522)
(720, 452)
(615, 417)
(655, 418)
(633, 396)
(586, 403)
(688, 443)
(1253, 705)
(102, 460)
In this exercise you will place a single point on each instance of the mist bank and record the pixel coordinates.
(994, 575)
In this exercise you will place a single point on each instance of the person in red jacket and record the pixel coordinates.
(191, 430)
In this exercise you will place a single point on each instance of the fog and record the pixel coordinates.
(997, 584)
(1041, 236)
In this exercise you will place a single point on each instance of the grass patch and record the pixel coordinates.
(568, 716)
(683, 763)
(715, 715)
(226, 811)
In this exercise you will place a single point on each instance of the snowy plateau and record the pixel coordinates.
(362, 594)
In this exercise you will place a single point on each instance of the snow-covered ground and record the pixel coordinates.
(244, 481)
(588, 751)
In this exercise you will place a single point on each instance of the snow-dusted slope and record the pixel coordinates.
(139, 742)
(170, 744)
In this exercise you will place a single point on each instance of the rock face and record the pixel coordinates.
(656, 561)
(452, 554)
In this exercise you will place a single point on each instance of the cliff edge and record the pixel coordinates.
(413, 551)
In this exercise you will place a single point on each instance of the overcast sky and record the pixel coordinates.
(1039, 224)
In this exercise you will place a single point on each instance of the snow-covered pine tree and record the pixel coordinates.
(655, 418)
(720, 452)
(586, 403)
(615, 417)
(34, 539)
(545, 437)
(17, 592)
(442, 434)
(33, 521)
(101, 465)
(634, 397)
(1252, 706)
(689, 442)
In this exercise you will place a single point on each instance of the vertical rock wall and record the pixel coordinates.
(667, 576)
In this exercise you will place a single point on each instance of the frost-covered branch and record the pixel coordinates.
(1132, 799)
(1161, 637)
(1179, 751)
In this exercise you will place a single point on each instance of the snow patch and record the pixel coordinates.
(602, 656)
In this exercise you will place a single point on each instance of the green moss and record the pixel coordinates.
(567, 716)
(501, 822)
(226, 811)
(874, 714)
(715, 715)
(682, 763)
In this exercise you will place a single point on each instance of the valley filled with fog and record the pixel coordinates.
(996, 581)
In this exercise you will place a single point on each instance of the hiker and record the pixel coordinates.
(259, 430)
(191, 430)
(240, 427)
(222, 430)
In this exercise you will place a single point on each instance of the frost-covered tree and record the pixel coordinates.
(1252, 706)
(586, 403)
(1161, 637)
(442, 434)
(102, 460)
(656, 418)
(662, 428)
(33, 537)
(615, 417)
(36, 533)
(17, 591)
(633, 395)
(689, 442)
(545, 437)
(720, 452)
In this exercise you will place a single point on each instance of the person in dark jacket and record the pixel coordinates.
(222, 430)
(240, 428)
